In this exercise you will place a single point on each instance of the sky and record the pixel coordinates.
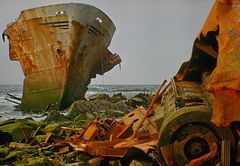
(153, 37)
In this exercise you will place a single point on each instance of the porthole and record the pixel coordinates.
(59, 52)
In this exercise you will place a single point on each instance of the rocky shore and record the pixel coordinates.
(28, 142)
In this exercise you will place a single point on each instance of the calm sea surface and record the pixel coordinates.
(7, 109)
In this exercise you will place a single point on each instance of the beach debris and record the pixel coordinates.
(56, 135)
(12, 101)
(14, 97)
(147, 132)
(107, 137)
(52, 139)
(174, 129)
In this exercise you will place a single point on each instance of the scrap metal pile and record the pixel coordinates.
(193, 120)
(116, 138)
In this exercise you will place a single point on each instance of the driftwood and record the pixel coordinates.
(12, 101)
(14, 97)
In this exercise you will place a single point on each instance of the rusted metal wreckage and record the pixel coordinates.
(60, 48)
(195, 119)
(175, 129)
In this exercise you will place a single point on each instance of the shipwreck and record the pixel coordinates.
(193, 120)
(60, 48)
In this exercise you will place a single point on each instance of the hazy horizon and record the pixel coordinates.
(152, 37)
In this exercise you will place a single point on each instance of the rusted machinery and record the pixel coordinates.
(214, 68)
(194, 120)
(186, 132)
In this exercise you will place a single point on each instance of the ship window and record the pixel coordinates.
(99, 20)
(59, 51)
(60, 12)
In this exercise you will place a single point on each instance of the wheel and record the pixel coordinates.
(191, 142)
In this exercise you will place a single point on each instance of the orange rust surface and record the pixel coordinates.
(200, 161)
(101, 136)
(220, 39)
(29, 43)
(114, 130)
(91, 132)
(226, 106)
(227, 72)
(225, 79)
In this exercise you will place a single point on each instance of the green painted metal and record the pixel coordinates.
(186, 106)
(194, 114)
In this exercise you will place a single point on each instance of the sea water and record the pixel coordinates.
(7, 109)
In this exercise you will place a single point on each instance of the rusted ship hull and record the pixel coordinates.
(60, 48)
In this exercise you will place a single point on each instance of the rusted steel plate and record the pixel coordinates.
(115, 139)
(225, 79)
(129, 143)
(114, 130)
(90, 132)
(135, 117)
(102, 148)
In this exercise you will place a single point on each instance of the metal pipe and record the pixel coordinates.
(150, 107)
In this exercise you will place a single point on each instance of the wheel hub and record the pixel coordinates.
(195, 148)
(192, 142)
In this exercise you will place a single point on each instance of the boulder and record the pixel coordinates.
(56, 116)
(99, 96)
(113, 113)
(17, 128)
(141, 99)
(87, 110)
(117, 98)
